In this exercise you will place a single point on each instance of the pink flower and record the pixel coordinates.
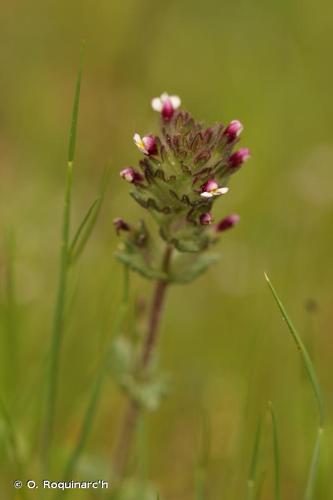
(233, 130)
(239, 157)
(205, 219)
(146, 144)
(120, 225)
(211, 188)
(131, 175)
(227, 223)
(166, 105)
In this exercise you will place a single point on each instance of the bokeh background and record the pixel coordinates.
(224, 343)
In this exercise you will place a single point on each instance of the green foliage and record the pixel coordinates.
(276, 450)
(264, 63)
(252, 479)
(149, 390)
(60, 304)
(144, 255)
(304, 353)
(309, 494)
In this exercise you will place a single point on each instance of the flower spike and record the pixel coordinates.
(184, 171)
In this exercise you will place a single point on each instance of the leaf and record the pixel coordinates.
(313, 473)
(75, 111)
(141, 253)
(121, 358)
(304, 353)
(95, 395)
(88, 223)
(60, 303)
(147, 393)
(137, 263)
(254, 463)
(187, 267)
(277, 489)
(309, 493)
(87, 219)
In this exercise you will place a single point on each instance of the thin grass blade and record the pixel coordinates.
(86, 222)
(75, 110)
(13, 443)
(276, 450)
(92, 406)
(58, 320)
(261, 482)
(251, 483)
(87, 225)
(305, 356)
(309, 493)
(86, 426)
(313, 473)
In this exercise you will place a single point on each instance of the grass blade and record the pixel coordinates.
(313, 473)
(58, 320)
(86, 425)
(13, 445)
(316, 389)
(276, 450)
(95, 393)
(304, 353)
(88, 223)
(75, 112)
(254, 462)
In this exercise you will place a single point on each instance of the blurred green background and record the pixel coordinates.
(224, 343)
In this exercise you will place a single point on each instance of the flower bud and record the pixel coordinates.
(167, 111)
(227, 223)
(131, 175)
(239, 157)
(205, 219)
(166, 105)
(233, 130)
(120, 225)
(146, 144)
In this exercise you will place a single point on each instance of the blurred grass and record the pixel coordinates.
(266, 63)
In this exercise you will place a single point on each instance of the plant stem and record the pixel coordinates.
(133, 411)
(59, 312)
(57, 324)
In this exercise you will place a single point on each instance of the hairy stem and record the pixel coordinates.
(127, 431)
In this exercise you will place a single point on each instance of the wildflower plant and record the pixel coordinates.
(183, 172)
